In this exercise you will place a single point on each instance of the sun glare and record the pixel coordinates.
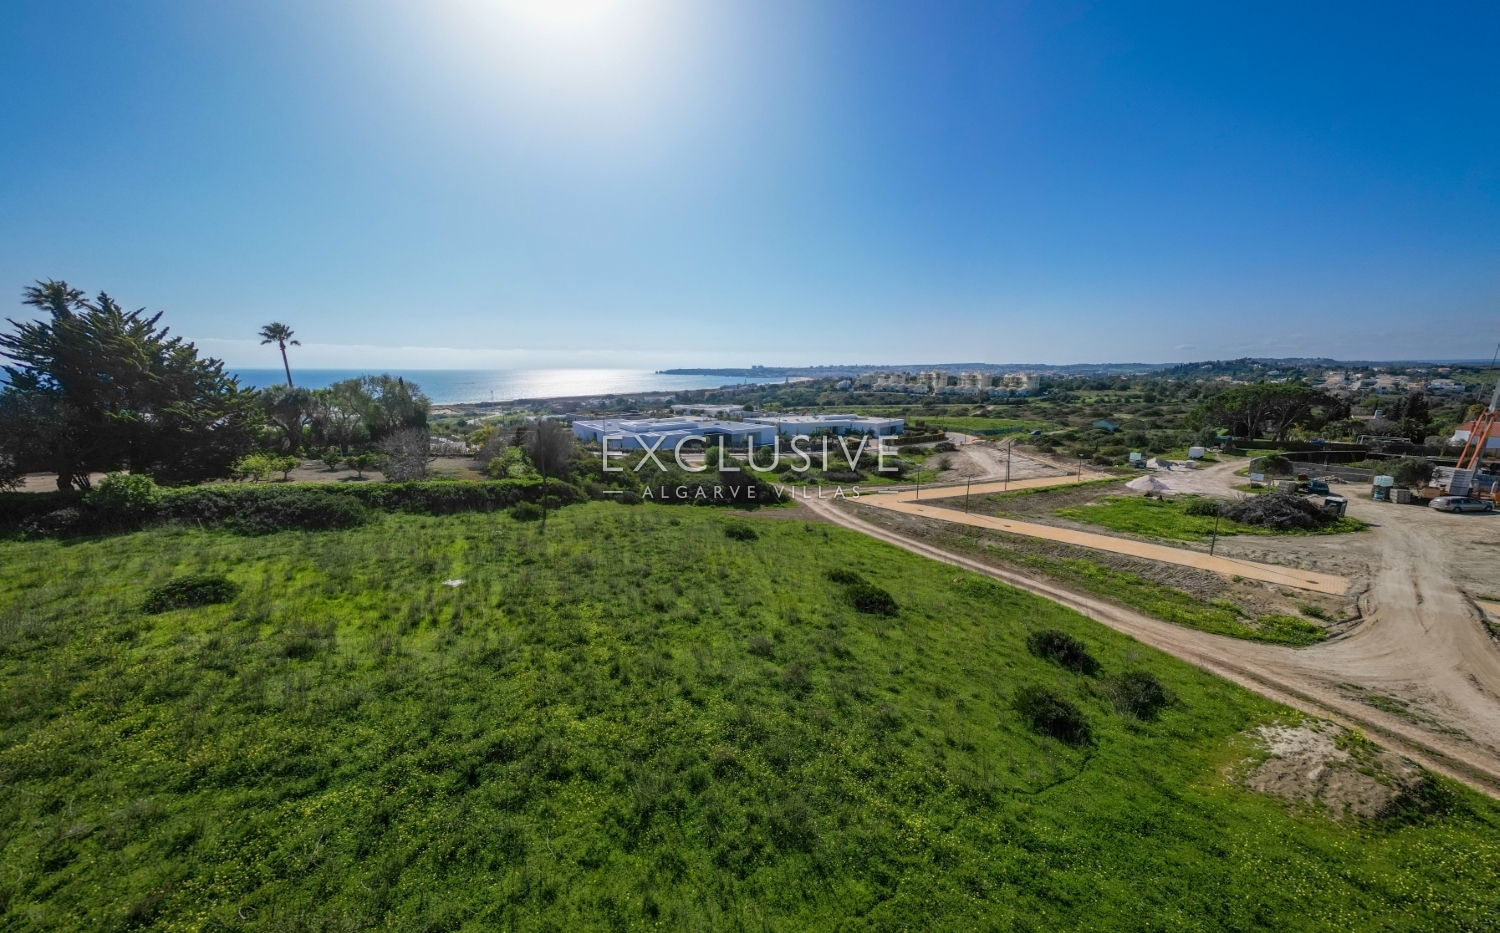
(560, 16)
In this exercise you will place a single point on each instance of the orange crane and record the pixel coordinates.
(1462, 482)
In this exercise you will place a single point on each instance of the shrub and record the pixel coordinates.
(1062, 648)
(62, 521)
(407, 451)
(256, 510)
(1407, 471)
(761, 646)
(190, 592)
(124, 496)
(1274, 465)
(944, 447)
(1046, 712)
(365, 460)
(1208, 507)
(845, 577)
(526, 512)
(1289, 630)
(1138, 694)
(871, 599)
(844, 476)
(739, 531)
(256, 467)
(331, 458)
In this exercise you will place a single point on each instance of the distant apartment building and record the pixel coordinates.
(1017, 384)
(1445, 387)
(933, 379)
(884, 381)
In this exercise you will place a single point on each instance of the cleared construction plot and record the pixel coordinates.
(909, 502)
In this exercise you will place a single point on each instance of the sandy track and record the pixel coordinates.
(909, 502)
(1421, 651)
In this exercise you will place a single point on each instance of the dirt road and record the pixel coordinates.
(1420, 671)
(1229, 566)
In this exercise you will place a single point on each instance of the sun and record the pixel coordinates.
(560, 16)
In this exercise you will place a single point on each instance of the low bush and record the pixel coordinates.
(1289, 630)
(124, 495)
(259, 508)
(64, 521)
(447, 497)
(1209, 507)
(1407, 471)
(843, 476)
(1046, 712)
(256, 510)
(944, 447)
(1062, 648)
(190, 592)
(1138, 694)
(739, 531)
(845, 577)
(871, 599)
(526, 512)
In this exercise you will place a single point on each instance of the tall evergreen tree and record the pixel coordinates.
(95, 388)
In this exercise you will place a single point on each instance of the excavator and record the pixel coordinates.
(1462, 483)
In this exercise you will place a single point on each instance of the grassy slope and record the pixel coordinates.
(1166, 518)
(581, 737)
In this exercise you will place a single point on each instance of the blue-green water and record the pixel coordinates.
(449, 386)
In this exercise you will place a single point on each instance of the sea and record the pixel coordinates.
(457, 386)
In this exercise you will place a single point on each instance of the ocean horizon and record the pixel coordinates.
(460, 386)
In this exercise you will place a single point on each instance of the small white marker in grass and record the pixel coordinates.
(453, 583)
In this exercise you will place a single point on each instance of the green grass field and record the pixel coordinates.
(635, 722)
(1167, 518)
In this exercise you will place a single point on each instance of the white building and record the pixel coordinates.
(642, 434)
(792, 425)
(1445, 387)
(910, 388)
(1465, 431)
(1017, 384)
(712, 411)
(933, 379)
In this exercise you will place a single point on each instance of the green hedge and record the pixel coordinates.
(260, 508)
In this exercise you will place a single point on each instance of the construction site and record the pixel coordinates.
(1385, 619)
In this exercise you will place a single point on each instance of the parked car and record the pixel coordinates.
(1317, 487)
(1461, 504)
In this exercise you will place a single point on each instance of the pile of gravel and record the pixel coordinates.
(1279, 511)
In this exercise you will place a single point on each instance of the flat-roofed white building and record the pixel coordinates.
(792, 425)
(641, 434)
(1018, 384)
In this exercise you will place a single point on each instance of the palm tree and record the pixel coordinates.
(281, 335)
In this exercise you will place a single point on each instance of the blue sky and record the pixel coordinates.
(477, 183)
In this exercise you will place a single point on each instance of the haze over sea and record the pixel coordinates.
(454, 386)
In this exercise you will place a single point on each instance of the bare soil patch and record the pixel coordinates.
(1322, 766)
